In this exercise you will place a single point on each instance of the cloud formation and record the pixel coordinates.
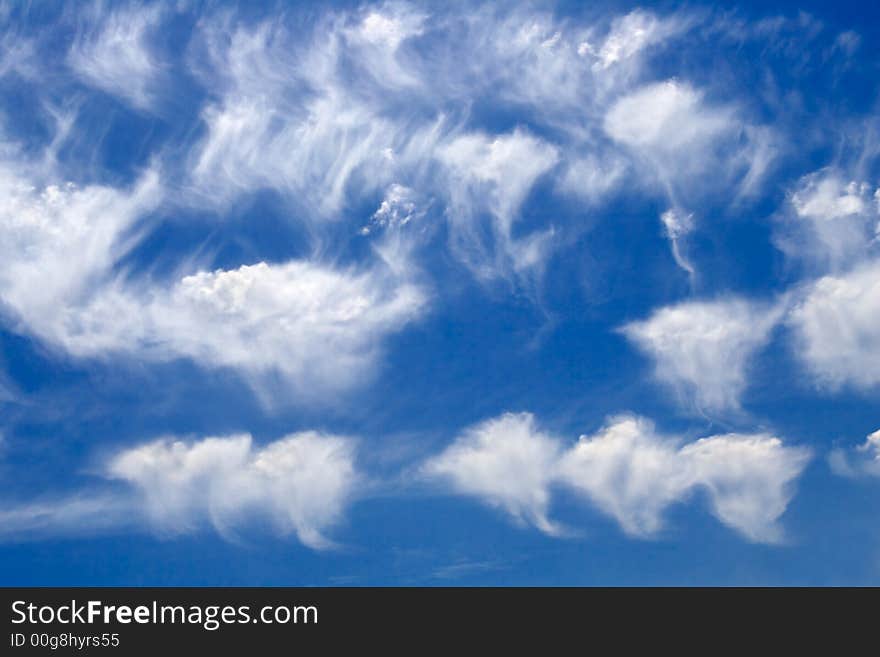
(114, 54)
(675, 135)
(318, 326)
(677, 225)
(302, 483)
(401, 141)
(835, 221)
(836, 329)
(864, 460)
(702, 349)
(496, 175)
(64, 236)
(331, 111)
(507, 462)
(627, 471)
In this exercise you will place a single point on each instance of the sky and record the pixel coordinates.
(439, 293)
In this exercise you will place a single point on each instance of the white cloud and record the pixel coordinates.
(336, 112)
(317, 326)
(864, 460)
(835, 221)
(320, 327)
(702, 349)
(629, 36)
(498, 172)
(249, 146)
(666, 117)
(749, 478)
(58, 241)
(287, 117)
(593, 177)
(837, 329)
(872, 445)
(627, 471)
(390, 26)
(80, 514)
(17, 55)
(510, 164)
(339, 108)
(633, 474)
(505, 461)
(115, 54)
(677, 225)
(677, 137)
(828, 197)
(302, 483)
(399, 206)
(564, 68)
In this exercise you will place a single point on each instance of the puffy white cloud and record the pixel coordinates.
(665, 117)
(676, 137)
(320, 327)
(302, 483)
(702, 349)
(828, 197)
(834, 220)
(749, 478)
(633, 474)
(399, 206)
(114, 54)
(390, 25)
(507, 462)
(872, 445)
(836, 327)
(627, 471)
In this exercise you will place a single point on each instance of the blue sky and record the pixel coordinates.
(421, 293)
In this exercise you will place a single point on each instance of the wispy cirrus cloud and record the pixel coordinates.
(330, 111)
(113, 52)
